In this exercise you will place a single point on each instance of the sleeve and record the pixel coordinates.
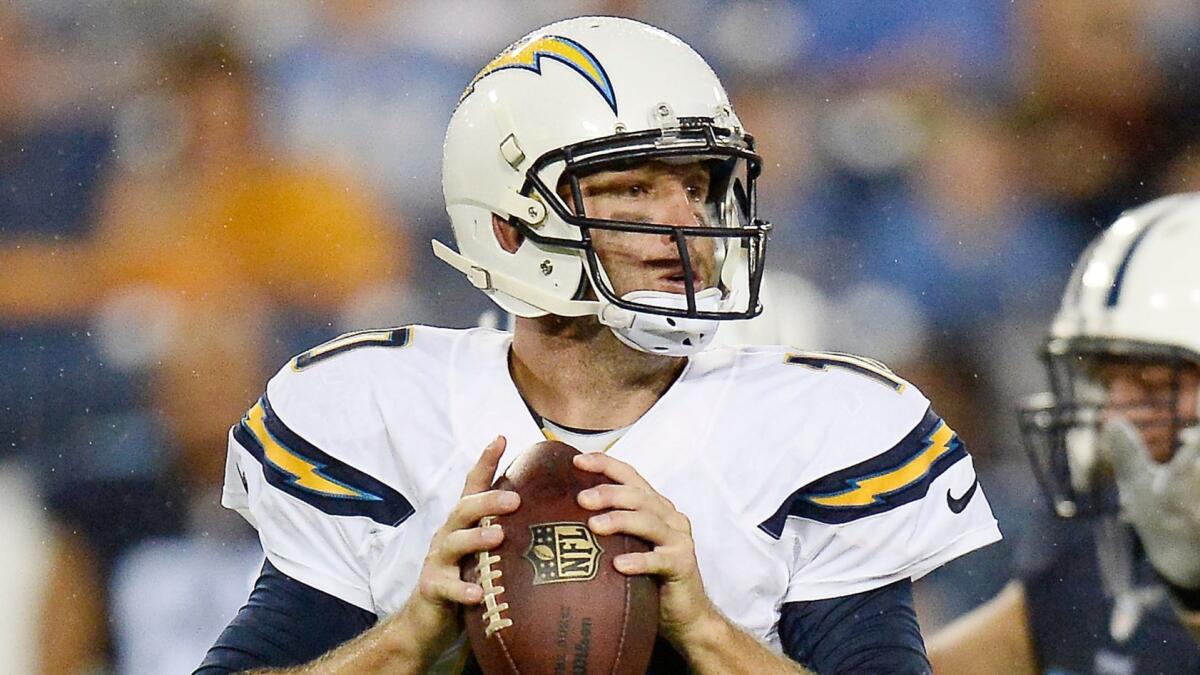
(284, 623)
(871, 632)
(899, 514)
(316, 514)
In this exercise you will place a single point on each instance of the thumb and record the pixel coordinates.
(1186, 461)
(1122, 446)
(479, 478)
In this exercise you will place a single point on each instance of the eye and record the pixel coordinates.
(635, 190)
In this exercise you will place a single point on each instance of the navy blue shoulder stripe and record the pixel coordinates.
(301, 469)
(901, 475)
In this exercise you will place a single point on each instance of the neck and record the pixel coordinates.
(574, 371)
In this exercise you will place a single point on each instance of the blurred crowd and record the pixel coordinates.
(191, 192)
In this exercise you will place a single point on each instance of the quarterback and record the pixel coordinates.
(1116, 444)
(602, 189)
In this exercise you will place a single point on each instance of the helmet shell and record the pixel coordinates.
(1139, 282)
(575, 80)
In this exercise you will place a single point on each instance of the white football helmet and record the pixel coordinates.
(579, 96)
(1134, 297)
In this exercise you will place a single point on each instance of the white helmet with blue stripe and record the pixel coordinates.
(1134, 296)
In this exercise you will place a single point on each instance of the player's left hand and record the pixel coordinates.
(635, 508)
(1161, 501)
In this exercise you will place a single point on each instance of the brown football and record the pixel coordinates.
(553, 602)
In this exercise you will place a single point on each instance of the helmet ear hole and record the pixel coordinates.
(507, 235)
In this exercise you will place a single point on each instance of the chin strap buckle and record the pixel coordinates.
(480, 278)
(617, 317)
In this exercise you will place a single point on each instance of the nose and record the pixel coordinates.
(676, 206)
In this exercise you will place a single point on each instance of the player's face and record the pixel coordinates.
(654, 192)
(1155, 398)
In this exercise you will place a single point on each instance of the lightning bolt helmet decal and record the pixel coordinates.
(528, 55)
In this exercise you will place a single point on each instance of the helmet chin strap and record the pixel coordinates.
(657, 334)
(643, 331)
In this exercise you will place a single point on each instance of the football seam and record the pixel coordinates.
(624, 620)
(508, 657)
(493, 617)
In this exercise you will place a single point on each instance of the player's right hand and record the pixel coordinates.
(1160, 500)
(440, 589)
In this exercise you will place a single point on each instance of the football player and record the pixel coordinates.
(602, 189)
(1116, 443)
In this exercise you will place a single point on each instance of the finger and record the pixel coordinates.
(615, 469)
(1125, 450)
(1186, 460)
(461, 543)
(637, 523)
(654, 562)
(624, 497)
(480, 477)
(470, 509)
(451, 589)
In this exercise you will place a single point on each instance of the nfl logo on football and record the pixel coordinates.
(562, 552)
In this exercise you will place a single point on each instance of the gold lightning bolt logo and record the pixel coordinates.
(528, 55)
(305, 473)
(868, 490)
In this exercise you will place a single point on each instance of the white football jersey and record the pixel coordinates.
(805, 475)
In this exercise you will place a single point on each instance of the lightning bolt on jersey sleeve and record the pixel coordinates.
(897, 515)
(871, 487)
(315, 502)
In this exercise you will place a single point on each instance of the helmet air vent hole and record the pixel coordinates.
(670, 321)
(687, 341)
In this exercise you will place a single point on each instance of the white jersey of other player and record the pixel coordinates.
(805, 475)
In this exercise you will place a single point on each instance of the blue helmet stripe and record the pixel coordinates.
(1114, 292)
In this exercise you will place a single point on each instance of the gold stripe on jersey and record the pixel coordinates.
(292, 464)
(890, 479)
(305, 473)
(870, 489)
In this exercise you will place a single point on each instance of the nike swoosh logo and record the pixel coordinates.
(957, 504)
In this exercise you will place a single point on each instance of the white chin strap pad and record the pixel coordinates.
(666, 335)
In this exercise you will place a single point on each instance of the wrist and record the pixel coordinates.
(705, 634)
(419, 632)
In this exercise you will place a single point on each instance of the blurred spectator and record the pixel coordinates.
(952, 241)
(362, 93)
(1107, 93)
(209, 259)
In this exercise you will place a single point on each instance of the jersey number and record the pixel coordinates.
(390, 337)
(855, 364)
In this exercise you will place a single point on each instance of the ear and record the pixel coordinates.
(510, 237)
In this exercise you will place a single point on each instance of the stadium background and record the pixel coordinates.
(191, 192)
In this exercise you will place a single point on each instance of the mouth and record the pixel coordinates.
(675, 281)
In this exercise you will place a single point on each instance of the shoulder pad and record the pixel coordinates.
(294, 465)
(321, 430)
(896, 476)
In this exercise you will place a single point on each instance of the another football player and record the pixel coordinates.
(1116, 443)
(602, 189)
